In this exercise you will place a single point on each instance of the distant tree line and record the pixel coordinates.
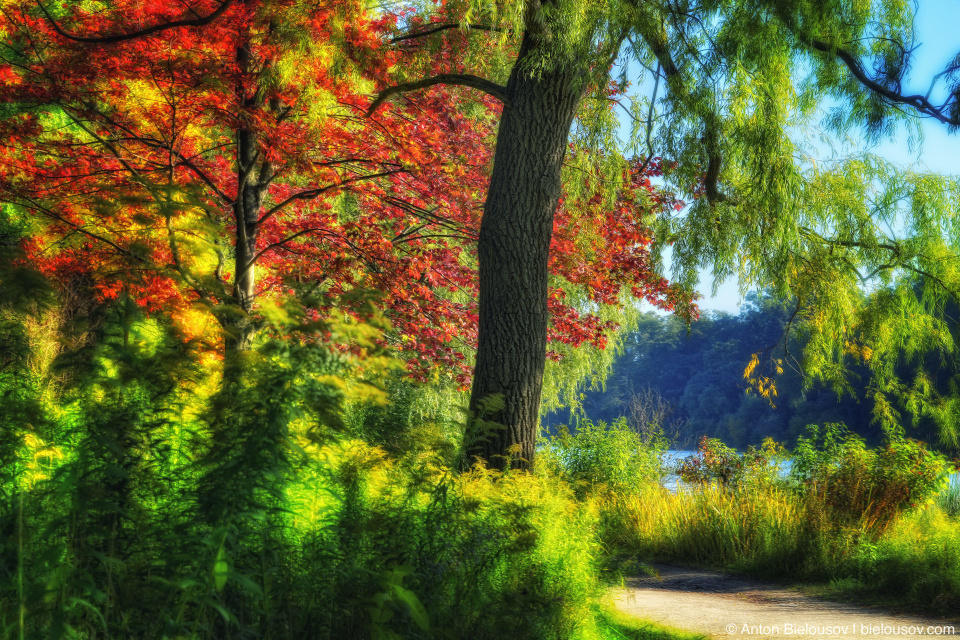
(690, 381)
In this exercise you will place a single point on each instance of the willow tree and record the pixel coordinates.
(728, 87)
(894, 229)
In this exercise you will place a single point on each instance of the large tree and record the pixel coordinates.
(735, 86)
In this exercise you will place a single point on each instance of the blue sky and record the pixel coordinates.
(938, 30)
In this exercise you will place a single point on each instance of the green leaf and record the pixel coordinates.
(220, 569)
(417, 611)
(227, 616)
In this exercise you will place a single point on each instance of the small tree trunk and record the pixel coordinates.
(253, 175)
(239, 328)
(514, 247)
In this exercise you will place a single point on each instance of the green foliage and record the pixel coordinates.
(867, 521)
(697, 371)
(866, 488)
(613, 455)
(917, 561)
(716, 462)
(585, 367)
(408, 545)
(412, 418)
(700, 374)
(147, 505)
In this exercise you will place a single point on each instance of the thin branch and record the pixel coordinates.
(429, 215)
(658, 45)
(278, 244)
(50, 213)
(198, 22)
(431, 235)
(650, 112)
(855, 66)
(459, 79)
(442, 27)
(314, 193)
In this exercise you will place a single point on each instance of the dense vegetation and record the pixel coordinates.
(692, 380)
(287, 285)
(878, 525)
(141, 499)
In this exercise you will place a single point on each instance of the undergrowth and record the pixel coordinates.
(874, 523)
(148, 498)
(289, 497)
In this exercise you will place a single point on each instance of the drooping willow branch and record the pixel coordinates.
(857, 69)
(665, 63)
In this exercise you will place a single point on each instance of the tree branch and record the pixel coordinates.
(197, 22)
(314, 193)
(459, 79)
(441, 27)
(711, 122)
(653, 102)
(855, 66)
(277, 245)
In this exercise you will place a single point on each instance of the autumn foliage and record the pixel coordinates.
(213, 167)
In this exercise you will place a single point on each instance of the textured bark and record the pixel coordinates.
(513, 249)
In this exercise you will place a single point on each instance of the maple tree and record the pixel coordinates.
(223, 163)
(221, 160)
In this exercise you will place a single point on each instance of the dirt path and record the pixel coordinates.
(726, 607)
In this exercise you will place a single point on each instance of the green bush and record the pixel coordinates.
(600, 454)
(865, 488)
(411, 549)
(917, 560)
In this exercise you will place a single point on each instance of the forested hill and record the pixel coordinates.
(692, 380)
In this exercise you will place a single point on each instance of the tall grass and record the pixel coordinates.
(150, 500)
(857, 523)
(485, 555)
(762, 530)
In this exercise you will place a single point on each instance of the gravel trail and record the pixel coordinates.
(727, 607)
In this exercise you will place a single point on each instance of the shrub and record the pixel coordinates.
(865, 488)
(411, 549)
(716, 462)
(917, 560)
(600, 454)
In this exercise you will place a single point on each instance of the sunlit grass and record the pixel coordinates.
(775, 532)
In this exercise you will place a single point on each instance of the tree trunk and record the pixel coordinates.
(513, 248)
(253, 177)
(239, 330)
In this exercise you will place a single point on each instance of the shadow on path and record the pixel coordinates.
(723, 606)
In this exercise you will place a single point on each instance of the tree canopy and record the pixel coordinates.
(736, 87)
(211, 165)
(221, 156)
